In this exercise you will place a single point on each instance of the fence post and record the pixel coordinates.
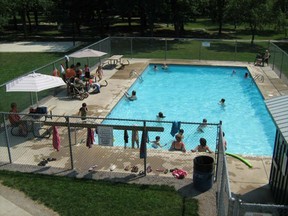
(281, 64)
(110, 39)
(274, 55)
(200, 50)
(235, 53)
(131, 47)
(70, 142)
(7, 139)
(145, 158)
(165, 49)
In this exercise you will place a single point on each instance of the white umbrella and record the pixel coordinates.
(34, 82)
(87, 53)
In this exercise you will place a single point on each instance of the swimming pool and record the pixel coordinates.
(191, 93)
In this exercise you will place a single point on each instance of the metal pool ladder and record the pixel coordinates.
(258, 77)
(133, 73)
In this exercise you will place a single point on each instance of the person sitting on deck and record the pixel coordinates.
(96, 86)
(202, 147)
(15, 119)
(261, 59)
(178, 145)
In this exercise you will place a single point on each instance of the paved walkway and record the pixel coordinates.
(30, 46)
(16, 203)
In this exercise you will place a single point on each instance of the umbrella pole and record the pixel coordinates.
(37, 99)
(31, 99)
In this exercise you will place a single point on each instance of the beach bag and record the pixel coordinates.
(41, 110)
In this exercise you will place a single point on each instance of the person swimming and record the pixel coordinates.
(202, 125)
(131, 97)
(160, 116)
(222, 102)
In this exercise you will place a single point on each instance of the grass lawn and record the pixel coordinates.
(15, 64)
(69, 196)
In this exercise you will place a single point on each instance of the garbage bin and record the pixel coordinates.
(203, 173)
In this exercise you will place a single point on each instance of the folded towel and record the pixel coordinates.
(175, 128)
(90, 138)
(126, 137)
(143, 152)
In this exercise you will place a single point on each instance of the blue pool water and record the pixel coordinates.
(191, 93)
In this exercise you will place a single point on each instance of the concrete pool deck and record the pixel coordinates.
(249, 183)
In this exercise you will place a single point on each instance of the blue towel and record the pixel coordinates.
(175, 128)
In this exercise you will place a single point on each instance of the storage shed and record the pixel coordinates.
(278, 108)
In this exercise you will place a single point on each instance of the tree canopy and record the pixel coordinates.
(72, 16)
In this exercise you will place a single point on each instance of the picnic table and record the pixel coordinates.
(115, 59)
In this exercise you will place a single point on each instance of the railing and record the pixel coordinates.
(134, 74)
(114, 143)
(259, 77)
(158, 48)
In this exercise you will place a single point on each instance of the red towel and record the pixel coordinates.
(56, 138)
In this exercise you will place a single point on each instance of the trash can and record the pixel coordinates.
(203, 173)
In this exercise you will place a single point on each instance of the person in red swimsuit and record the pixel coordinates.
(15, 119)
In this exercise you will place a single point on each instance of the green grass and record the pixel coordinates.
(69, 196)
(15, 64)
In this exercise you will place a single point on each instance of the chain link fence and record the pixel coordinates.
(157, 48)
(36, 148)
(229, 204)
(111, 150)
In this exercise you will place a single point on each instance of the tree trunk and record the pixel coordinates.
(253, 32)
(36, 19)
(175, 17)
(142, 14)
(129, 20)
(99, 15)
(15, 22)
(23, 18)
(29, 21)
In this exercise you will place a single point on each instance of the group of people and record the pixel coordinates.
(178, 144)
(164, 67)
(262, 58)
(74, 74)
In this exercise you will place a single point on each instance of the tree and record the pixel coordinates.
(232, 13)
(256, 14)
(221, 4)
(182, 11)
(4, 13)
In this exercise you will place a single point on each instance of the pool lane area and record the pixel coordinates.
(242, 179)
(189, 93)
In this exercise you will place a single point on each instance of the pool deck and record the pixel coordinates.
(249, 183)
